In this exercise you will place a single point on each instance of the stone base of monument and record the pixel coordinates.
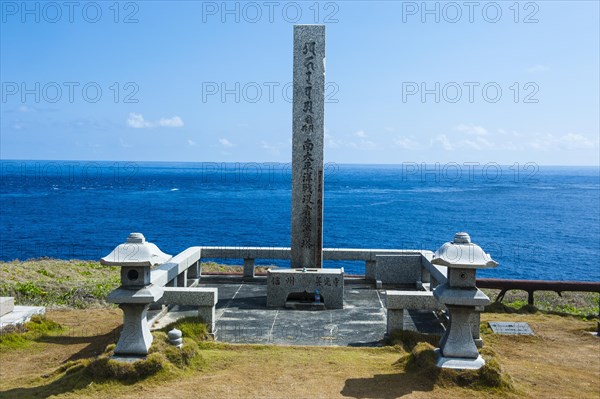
(458, 363)
(283, 285)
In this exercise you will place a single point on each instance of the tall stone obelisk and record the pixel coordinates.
(307, 146)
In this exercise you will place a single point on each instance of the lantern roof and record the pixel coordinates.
(462, 253)
(136, 251)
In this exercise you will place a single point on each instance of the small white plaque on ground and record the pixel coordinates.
(510, 328)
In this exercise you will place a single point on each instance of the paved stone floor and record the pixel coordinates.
(242, 316)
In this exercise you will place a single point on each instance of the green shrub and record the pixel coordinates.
(29, 289)
(107, 368)
(35, 329)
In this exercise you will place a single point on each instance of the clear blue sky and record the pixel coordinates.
(175, 59)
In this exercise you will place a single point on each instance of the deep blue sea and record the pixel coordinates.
(537, 222)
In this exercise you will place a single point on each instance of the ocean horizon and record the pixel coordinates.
(538, 222)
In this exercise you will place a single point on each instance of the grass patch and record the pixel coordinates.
(421, 362)
(582, 304)
(191, 327)
(52, 282)
(162, 358)
(214, 267)
(71, 283)
(35, 329)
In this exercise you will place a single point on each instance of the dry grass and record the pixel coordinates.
(561, 360)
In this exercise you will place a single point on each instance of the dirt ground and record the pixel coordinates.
(561, 361)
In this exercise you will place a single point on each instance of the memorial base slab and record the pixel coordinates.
(283, 282)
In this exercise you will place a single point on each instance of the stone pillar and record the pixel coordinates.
(207, 314)
(182, 279)
(135, 338)
(194, 271)
(248, 268)
(370, 270)
(307, 146)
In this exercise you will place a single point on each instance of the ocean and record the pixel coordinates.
(538, 222)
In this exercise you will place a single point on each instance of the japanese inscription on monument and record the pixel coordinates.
(307, 146)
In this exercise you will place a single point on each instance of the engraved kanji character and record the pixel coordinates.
(308, 73)
(309, 47)
(309, 64)
(308, 91)
(308, 107)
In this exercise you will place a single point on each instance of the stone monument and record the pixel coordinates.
(307, 279)
(307, 146)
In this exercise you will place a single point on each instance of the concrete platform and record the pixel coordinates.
(20, 315)
(243, 317)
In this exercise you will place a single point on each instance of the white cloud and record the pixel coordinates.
(443, 140)
(569, 141)
(269, 147)
(538, 68)
(330, 141)
(475, 130)
(137, 121)
(362, 145)
(573, 141)
(225, 143)
(191, 142)
(124, 143)
(24, 108)
(406, 143)
(171, 122)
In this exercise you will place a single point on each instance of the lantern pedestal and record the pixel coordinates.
(135, 338)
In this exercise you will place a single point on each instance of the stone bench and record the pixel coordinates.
(399, 301)
(204, 298)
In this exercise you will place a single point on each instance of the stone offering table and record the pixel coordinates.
(283, 282)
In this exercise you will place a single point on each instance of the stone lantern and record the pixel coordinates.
(460, 295)
(135, 257)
